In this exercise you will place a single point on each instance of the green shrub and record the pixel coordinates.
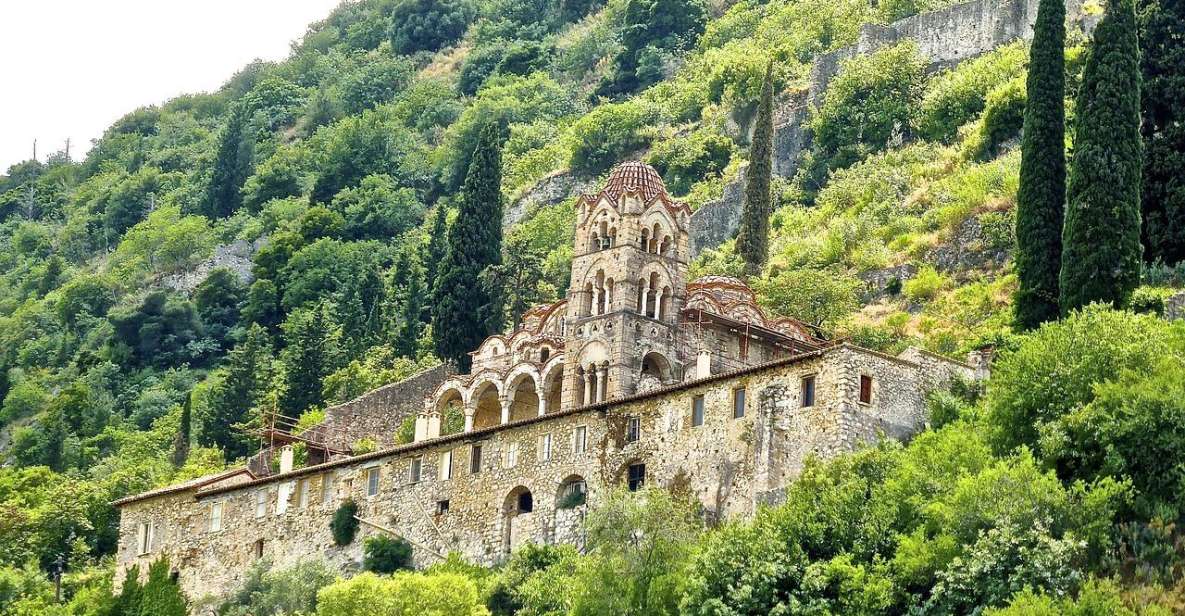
(925, 284)
(869, 105)
(402, 594)
(383, 554)
(817, 296)
(1057, 369)
(608, 134)
(428, 25)
(683, 161)
(345, 523)
(1002, 120)
(287, 591)
(1150, 300)
(957, 96)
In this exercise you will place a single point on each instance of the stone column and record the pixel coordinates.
(505, 403)
(542, 402)
(645, 298)
(602, 382)
(469, 412)
(596, 301)
(658, 303)
(587, 387)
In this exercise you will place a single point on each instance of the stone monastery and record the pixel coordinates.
(637, 378)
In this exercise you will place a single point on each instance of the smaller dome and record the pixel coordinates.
(637, 177)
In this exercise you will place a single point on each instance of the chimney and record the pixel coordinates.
(703, 364)
(421, 427)
(433, 425)
(286, 458)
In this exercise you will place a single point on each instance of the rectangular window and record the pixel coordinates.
(697, 411)
(416, 469)
(475, 460)
(372, 481)
(633, 429)
(544, 449)
(327, 489)
(446, 465)
(511, 455)
(865, 389)
(441, 507)
(808, 391)
(215, 517)
(738, 403)
(145, 539)
(580, 439)
(637, 477)
(261, 503)
(283, 494)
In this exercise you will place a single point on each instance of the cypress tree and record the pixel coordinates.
(161, 596)
(1041, 197)
(232, 166)
(312, 353)
(1101, 239)
(248, 378)
(463, 310)
(181, 442)
(753, 237)
(437, 246)
(1162, 28)
(407, 340)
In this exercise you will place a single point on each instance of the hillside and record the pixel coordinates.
(275, 246)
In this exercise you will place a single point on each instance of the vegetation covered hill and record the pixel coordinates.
(341, 170)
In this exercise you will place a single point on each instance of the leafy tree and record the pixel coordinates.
(158, 332)
(682, 162)
(1040, 200)
(639, 543)
(375, 83)
(517, 280)
(273, 103)
(217, 299)
(377, 209)
(312, 352)
(383, 554)
(161, 596)
(463, 313)
(1058, 367)
(233, 399)
(608, 134)
(232, 164)
(362, 145)
(411, 325)
(280, 176)
(428, 25)
(263, 305)
(132, 198)
(84, 296)
(753, 236)
(129, 596)
(1162, 63)
(286, 591)
(1101, 240)
(651, 27)
(820, 297)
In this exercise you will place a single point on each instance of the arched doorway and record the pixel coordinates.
(524, 397)
(518, 513)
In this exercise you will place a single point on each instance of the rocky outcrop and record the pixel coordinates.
(1174, 307)
(235, 256)
(554, 188)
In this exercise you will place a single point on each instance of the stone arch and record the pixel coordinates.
(552, 383)
(657, 365)
(518, 511)
(522, 392)
(485, 396)
(571, 483)
(452, 393)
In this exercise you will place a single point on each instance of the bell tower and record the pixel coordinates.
(629, 272)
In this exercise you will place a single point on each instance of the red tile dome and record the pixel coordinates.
(636, 177)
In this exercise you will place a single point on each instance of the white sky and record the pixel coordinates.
(69, 68)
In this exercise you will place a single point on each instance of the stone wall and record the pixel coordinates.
(1174, 307)
(235, 256)
(728, 464)
(373, 414)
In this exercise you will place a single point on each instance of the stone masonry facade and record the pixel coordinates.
(638, 378)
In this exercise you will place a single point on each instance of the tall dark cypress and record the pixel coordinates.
(1162, 29)
(437, 245)
(232, 165)
(753, 236)
(1041, 198)
(410, 326)
(463, 311)
(1101, 240)
(181, 441)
